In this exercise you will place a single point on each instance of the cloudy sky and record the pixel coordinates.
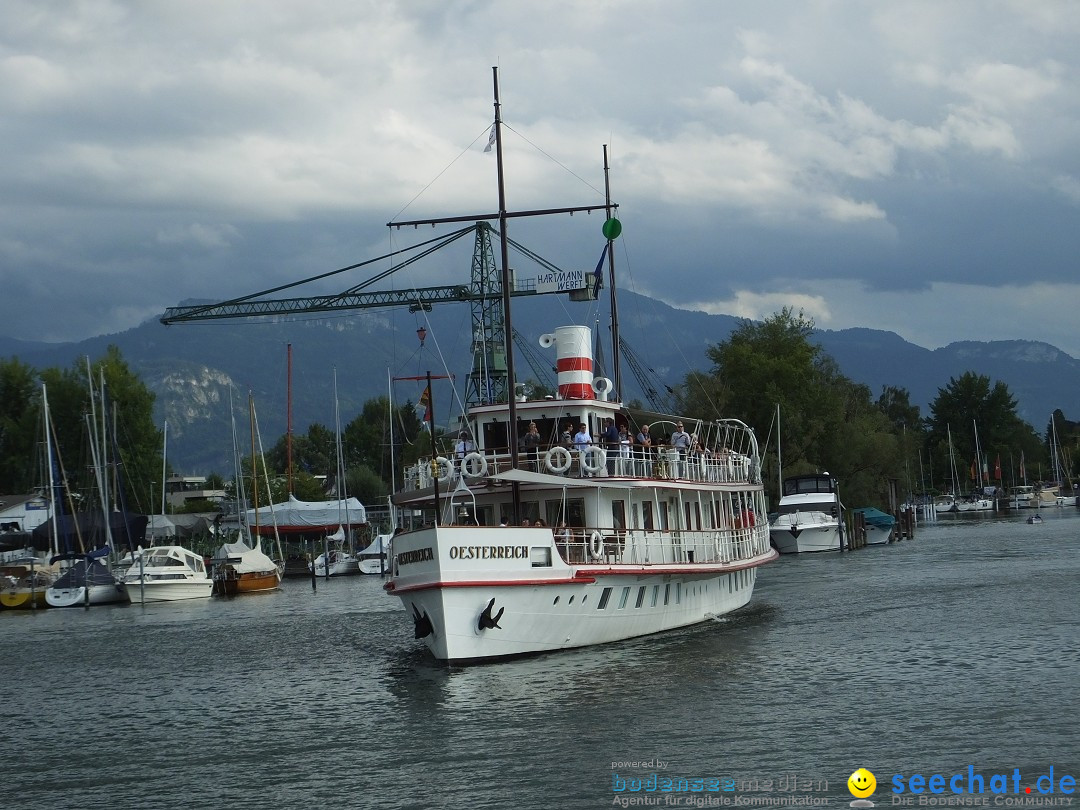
(909, 166)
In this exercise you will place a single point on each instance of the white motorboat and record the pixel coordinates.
(167, 574)
(1023, 496)
(808, 516)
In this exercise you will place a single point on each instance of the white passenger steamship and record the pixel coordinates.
(655, 540)
(526, 552)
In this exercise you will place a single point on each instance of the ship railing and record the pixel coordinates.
(647, 547)
(666, 464)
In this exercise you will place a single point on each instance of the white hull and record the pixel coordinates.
(876, 536)
(944, 504)
(975, 505)
(167, 574)
(536, 623)
(345, 567)
(76, 597)
(541, 604)
(806, 538)
(373, 567)
(165, 591)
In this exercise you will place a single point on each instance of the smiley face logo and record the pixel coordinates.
(861, 783)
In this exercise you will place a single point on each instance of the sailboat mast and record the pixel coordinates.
(54, 501)
(254, 464)
(779, 462)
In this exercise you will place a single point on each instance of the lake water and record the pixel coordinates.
(958, 648)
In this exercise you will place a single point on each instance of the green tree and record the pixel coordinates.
(968, 406)
(20, 428)
(828, 423)
(128, 442)
(895, 403)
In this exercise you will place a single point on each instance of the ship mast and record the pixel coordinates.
(503, 216)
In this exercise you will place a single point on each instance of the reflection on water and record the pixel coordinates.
(956, 648)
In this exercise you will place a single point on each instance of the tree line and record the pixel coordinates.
(826, 422)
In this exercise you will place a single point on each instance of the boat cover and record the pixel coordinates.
(126, 528)
(75, 577)
(307, 516)
(380, 545)
(243, 558)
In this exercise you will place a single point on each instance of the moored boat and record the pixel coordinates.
(167, 574)
(373, 559)
(23, 583)
(239, 568)
(336, 563)
(808, 517)
(879, 525)
(945, 503)
(88, 581)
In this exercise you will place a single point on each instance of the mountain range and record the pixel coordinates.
(193, 367)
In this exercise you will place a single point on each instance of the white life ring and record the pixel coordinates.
(443, 469)
(595, 459)
(560, 453)
(474, 465)
(596, 545)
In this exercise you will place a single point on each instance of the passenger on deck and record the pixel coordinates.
(582, 442)
(531, 442)
(611, 444)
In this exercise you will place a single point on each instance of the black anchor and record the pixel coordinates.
(486, 621)
(421, 624)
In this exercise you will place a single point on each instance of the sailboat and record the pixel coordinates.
(23, 581)
(239, 567)
(977, 501)
(89, 580)
(1049, 494)
(340, 561)
(948, 501)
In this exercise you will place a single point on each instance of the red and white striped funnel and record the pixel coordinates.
(574, 361)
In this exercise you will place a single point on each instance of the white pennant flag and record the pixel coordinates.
(491, 139)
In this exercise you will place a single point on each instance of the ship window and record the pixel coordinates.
(640, 597)
(667, 593)
(729, 590)
(618, 515)
(678, 593)
(624, 597)
(556, 601)
(540, 556)
(646, 516)
(655, 595)
(604, 599)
